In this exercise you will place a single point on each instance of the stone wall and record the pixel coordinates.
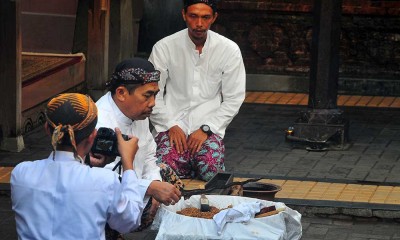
(275, 38)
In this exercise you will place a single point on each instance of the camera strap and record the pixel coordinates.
(87, 160)
(118, 165)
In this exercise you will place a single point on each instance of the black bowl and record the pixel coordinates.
(264, 191)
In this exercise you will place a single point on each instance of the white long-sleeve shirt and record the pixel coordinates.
(63, 199)
(206, 88)
(110, 116)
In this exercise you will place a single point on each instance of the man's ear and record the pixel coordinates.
(92, 136)
(120, 93)
(183, 15)
(47, 129)
(215, 17)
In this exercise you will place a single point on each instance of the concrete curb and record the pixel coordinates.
(341, 212)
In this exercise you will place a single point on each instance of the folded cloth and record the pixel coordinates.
(240, 213)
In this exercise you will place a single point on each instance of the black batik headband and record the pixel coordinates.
(134, 76)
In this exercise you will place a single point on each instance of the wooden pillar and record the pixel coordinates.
(98, 46)
(10, 76)
(137, 9)
(323, 126)
(324, 69)
(121, 34)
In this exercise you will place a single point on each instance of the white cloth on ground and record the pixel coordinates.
(240, 213)
(172, 226)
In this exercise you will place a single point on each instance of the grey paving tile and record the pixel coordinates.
(305, 163)
(349, 159)
(393, 178)
(390, 156)
(375, 177)
(317, 232)
(335, 234)
(369, 236)
(356, 174)
(276, 154)
(281, 171)
(340, 171)
(383, 167)
(318, 175)
(394, 144)
(374, 150)
(298, 173)
(323, 166)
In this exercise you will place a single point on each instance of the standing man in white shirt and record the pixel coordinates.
(202, 87)
(62, 198)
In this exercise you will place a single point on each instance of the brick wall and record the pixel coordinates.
(374, 7)
(275, 38)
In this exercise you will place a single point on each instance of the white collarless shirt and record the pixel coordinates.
(110, 116)
(206, 88)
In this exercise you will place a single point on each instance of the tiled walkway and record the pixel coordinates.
(306, 190)
(326, 191)
(311, 190)
(302, 99)
(5, 173)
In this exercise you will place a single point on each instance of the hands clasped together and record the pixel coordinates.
(193, 143)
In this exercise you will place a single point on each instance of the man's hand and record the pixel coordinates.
(100, 160)
(164, 192)
(196, 140)
(177, 139)
(127, 149)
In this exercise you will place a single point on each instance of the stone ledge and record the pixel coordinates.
(298, 84)
(344, 210)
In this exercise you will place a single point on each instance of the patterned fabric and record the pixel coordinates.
(204, 164)
(111, 234)
(167, 175)
(134, 71)
(71, 113)
(136, 75)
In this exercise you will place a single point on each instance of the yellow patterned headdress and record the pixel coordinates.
(72, 113)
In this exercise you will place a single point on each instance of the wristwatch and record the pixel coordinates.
(206, 129)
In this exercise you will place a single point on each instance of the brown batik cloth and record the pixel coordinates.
(167, 175)
(111, 234)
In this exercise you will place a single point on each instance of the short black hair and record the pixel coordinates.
(211, 3)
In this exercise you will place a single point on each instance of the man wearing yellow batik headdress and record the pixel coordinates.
(60, 197)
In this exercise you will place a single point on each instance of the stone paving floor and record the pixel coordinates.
(256, 147)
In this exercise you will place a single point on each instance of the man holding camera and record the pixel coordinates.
(62, 198)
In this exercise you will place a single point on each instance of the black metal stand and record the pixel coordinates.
(320, 130)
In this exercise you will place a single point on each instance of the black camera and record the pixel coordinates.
(106, 142)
